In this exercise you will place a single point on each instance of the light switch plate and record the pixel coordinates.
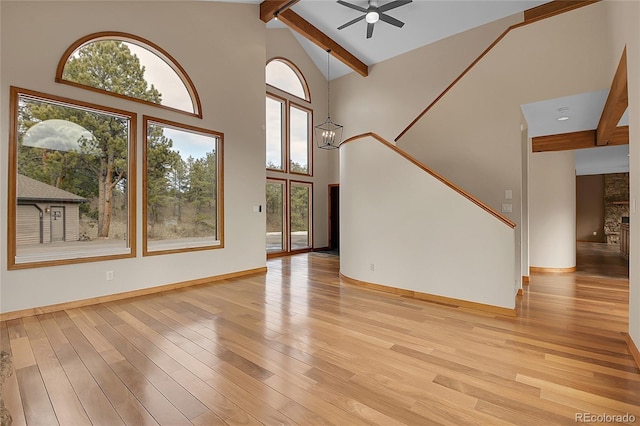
(507, 208)
(508, 194)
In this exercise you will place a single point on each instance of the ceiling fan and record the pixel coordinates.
(373, 13)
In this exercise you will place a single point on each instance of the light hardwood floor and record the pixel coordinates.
(297, 346)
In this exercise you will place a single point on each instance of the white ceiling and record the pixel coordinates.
(602, 160)
(426, 21)
(584, 111)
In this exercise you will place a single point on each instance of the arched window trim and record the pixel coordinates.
(146, 44)
(296, 70)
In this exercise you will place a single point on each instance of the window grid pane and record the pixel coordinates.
(299, 123)
(275, 134)
(182, 173)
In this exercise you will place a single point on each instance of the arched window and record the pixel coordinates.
(160, 81)
(289, 159)
(285, 76)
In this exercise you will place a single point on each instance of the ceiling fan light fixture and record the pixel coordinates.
(372, 17)
(374, 13)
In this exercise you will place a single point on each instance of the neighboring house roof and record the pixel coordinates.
(33, 190)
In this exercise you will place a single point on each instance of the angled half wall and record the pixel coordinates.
(404, 227)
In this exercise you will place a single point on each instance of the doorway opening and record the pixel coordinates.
(334, 218)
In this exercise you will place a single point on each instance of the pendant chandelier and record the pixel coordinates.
(328, 134)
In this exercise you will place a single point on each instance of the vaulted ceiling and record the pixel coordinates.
(315, 24)
(424, 22)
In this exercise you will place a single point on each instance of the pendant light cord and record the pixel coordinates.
(328, 85)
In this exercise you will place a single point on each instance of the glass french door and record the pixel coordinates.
(276, 219)
(300, 215)
(289, 218)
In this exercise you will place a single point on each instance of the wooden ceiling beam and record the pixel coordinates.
(577, 140)
(620, 136)
(564, 141)
(616, 104)
(307, 30)
(553, 8)
(269, 8)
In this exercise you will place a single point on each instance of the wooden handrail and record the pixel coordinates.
(529, 19)
(456, 188)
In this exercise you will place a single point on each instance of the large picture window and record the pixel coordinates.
(72, 181)
(182, 205)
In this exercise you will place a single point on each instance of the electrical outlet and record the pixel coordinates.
(109, 275)
(595, 232)
(372, 267)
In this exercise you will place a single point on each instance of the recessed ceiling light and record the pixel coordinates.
(563, 118)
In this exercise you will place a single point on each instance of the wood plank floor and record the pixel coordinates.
(297, 346)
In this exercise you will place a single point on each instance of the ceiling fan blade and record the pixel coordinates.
(352, 6)
(391, 20)
(359, 18)
(392, 5)
(370, 30)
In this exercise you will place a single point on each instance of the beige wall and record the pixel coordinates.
(222, 48)
(473, 137)
(397, 89)
(403, 228)
(552, 210)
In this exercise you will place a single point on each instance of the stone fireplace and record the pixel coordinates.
(616, 204)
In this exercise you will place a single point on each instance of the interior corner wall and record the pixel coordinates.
(624, 28)
(590, 208)
(552, 210)
(281, 43)
(222, 48)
